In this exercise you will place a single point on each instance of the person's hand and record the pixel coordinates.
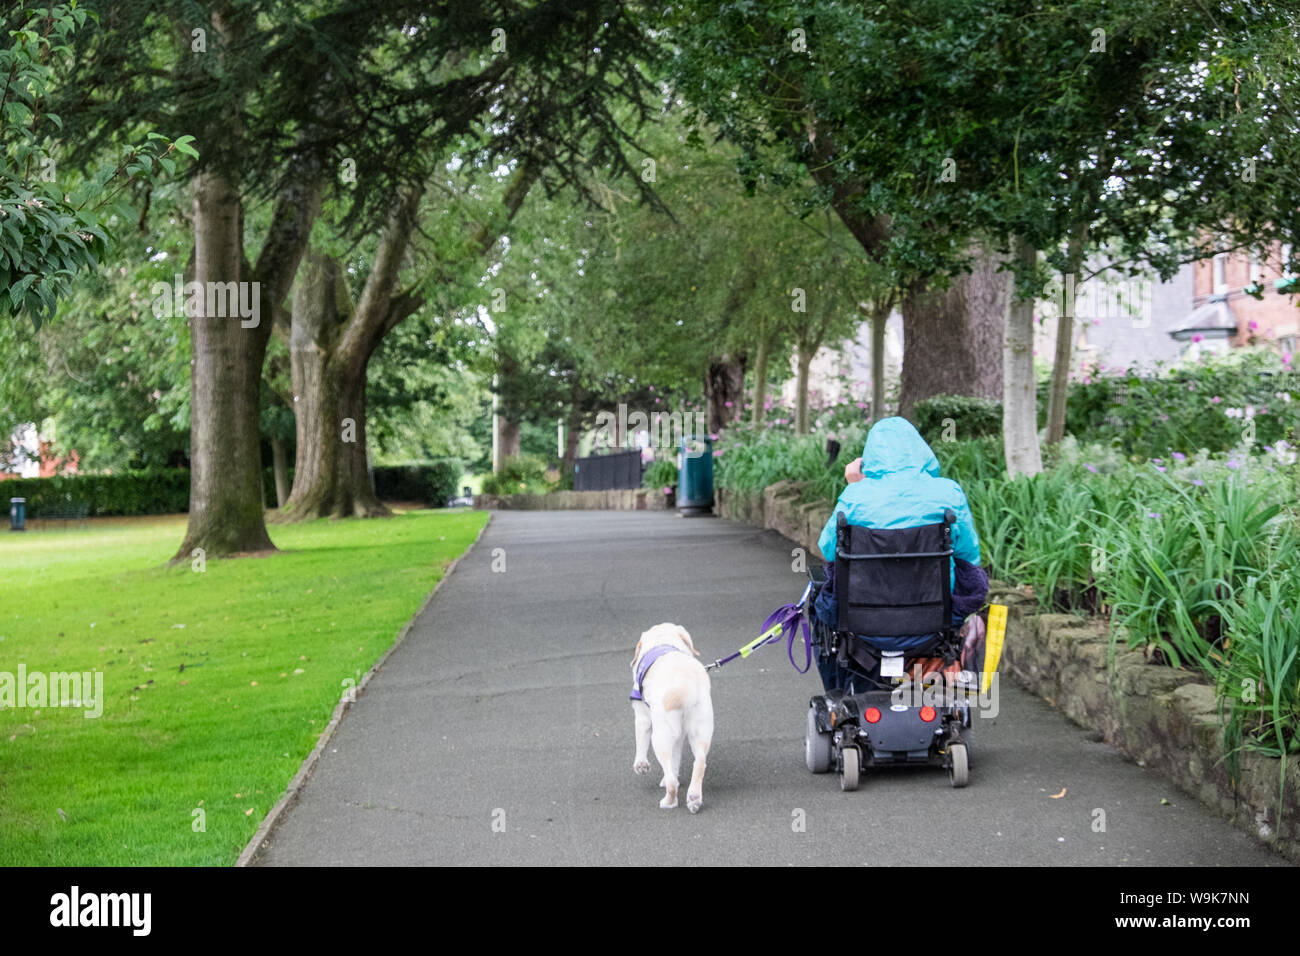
(853, 471)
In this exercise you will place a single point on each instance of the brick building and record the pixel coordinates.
(1222, 303)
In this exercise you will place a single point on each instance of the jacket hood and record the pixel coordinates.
(895, 448)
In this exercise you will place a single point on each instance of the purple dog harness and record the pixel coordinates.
(648, 658)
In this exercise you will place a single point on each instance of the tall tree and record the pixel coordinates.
(403, 81)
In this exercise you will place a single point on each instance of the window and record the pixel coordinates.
(1221, 273)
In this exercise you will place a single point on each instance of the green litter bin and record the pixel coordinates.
(17, 514)
(695, 476)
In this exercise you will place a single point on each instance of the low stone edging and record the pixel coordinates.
(1165, 719)
(1162, 718)
(625, 499)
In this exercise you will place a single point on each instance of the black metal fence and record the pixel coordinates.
(607, 472)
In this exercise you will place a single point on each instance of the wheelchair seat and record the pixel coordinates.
(893, 594)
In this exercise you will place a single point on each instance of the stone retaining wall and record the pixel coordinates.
(628, 499)
(1164, 719)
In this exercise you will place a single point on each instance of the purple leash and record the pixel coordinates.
(785, 622)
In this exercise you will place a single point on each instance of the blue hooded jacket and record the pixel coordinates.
(901, 488)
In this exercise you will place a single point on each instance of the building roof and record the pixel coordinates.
(1214, 319)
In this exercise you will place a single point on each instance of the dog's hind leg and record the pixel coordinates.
(700, 732)
(666, 738)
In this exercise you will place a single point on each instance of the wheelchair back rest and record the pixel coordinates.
(893, 582)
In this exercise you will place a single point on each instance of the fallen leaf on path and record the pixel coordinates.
(1058, 796)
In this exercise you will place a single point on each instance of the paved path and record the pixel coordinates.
(508, 701)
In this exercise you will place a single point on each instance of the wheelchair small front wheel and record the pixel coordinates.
(958, 765)
(849, 773)
(816, 745)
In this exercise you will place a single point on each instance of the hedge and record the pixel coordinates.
(147, 492)
(431, 482)
(167, 490)
(971, 417)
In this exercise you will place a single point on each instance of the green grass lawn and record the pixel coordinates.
(216, 684)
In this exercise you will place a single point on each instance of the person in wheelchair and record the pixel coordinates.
(894, 485)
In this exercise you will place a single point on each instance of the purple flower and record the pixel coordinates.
(1198, 483)
(1158, 461)
(1154, 514)
(1197, 338)
(727, 404)
(1253, 325)
(1216, 399)
(1234, 464)
(1179, 456)
(1161, 468)
(1091, 468)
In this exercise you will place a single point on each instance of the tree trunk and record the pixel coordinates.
(1059, 391)
(804, 360)
(879, 318)
(723, 383)
(1019, 391)
(356, 482)
(226, 515)
(508, 436)
(331, 469)
(759, 412)
(952, 339)
(280, 464)
(332, 466)
(572, 433)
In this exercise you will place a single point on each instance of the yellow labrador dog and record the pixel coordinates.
(671, 701)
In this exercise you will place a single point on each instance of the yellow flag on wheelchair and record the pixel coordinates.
(997, 631)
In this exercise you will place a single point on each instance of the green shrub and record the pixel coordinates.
(971, 417)
(151, 492)
(1191, 406)
(432, 482)
(523, 474)
(661, 473)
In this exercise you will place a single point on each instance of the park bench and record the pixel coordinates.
(64, 510)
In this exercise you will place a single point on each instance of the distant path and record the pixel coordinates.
(510, 694)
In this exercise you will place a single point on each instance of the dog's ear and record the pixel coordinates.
(637, 652)
(687, 638)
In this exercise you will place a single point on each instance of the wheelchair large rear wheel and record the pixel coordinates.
(849, 773)
(816, 746)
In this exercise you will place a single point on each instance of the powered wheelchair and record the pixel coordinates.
(892, 610)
